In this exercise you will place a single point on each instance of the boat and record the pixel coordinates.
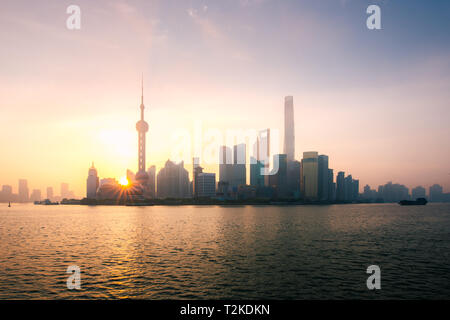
(417, 202)
(46, 202)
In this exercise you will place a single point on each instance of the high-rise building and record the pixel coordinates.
(323, 179)
(151, 183)
(293, 179)
(436, 193)
(225, 164)
(355, 189)
(340, 186)
(142, 129)
(205, 185)
(131, 176)
(289, 135)
(23, 190)
(278, 181)
(35, 195)
(173, 181)
(50, 194)
(261, 151)
(393, 192)
(331, 186)
(92, 183)
(196, 170)
(348, 188)
(418, 192)
(6, 193)
(65, 193)
(256, 178)
(239, 176)
(310, 175)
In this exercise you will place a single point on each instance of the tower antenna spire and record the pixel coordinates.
(142, 88)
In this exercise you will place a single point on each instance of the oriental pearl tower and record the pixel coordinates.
(142, 128)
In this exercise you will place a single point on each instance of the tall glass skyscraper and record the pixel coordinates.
(289, 136)
(310, 175)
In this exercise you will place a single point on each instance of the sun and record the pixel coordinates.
(124, 181)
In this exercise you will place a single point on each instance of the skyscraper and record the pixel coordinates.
(256, 178)
(323, 184)
(23, 190)
(261, 152)
(436, 193)
(239, 176)
(205, 185)
(50, 193)
(331, 186)
(142, 128)
(173, 181)
(340, 186)
(65, 193)
(310, 175)
(418, 192)
(278, 181)
(196, 170)
(35, 195)
(225, 164)
(92, 183)
(293, 178)
(289, 135)
(6, 193)
(348, 188)
(151, 183)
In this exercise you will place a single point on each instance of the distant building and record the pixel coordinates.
(50, 195)
(278, 181)
(323, 178)
(310, 175)
(369, 194)
(131, 176)
(436, 193)
(6, 194)
(355, 189)
(331, 186)
(261, 152)
(6, 190)
(65, 193)
(23, 191)
(173, 181)
(239, 176)
(196, 170)
(289, 137)
(206, 185)
(92, 183)
(256, 178)
(246, 192)
(150, 190)
(393, 192)
(340, 186)
(293, 179)
(225, 164)
(418, 192)
(348, 188)
(36, 195)
(223, 190)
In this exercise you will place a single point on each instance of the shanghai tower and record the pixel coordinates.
(289, 138)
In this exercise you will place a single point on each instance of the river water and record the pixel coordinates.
(235, 252)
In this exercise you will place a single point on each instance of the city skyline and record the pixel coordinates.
(310, 179)
(71, 95)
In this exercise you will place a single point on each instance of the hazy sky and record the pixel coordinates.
(376, 101)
